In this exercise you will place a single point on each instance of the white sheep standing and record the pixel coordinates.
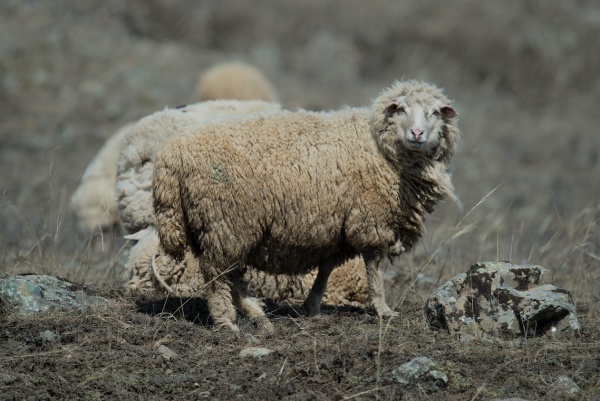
(93, 200)
(296, 190)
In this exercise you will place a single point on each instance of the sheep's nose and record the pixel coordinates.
(417, 132)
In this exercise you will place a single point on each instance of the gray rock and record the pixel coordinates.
(166, 352)
(565, 385)
(35, 293)
(503, 300)
(48, 336)
(422, 371)
(254, 352)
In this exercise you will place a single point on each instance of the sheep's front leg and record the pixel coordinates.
(312, 304)
(372, 258)
(250, 306)
(218, 292)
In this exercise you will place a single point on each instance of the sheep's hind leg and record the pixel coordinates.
(250, 306)
(312, 304)
(375, 283)
(220, 303)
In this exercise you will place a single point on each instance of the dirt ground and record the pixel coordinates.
(524, 78)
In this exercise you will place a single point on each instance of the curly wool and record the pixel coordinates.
(135, 165)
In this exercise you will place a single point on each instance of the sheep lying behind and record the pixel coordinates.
(93, 201)
(235, 80)
(135, 166)
(150, 269)
(295, 190)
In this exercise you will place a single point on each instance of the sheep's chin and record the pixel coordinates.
(415, 145)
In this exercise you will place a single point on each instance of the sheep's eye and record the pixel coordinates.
(436, 113)
(394, 109)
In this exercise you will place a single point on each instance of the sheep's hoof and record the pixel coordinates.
(266, 328)
(229, 326)
(387, 313)
(310, 309)
(264, 325)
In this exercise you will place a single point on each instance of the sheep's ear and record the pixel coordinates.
(390, 110)
(448, 112)
(140, 234)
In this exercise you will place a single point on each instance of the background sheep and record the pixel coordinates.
(235, 80)
(93, 200)
(296, 190)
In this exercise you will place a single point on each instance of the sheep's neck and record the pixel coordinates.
(419, 190)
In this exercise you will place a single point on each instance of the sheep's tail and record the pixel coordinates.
(167, 205)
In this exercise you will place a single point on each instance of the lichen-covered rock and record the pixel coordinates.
(35, 293)
(500, 299)
(565, 386)
(422, 371)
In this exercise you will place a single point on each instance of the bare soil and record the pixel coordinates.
(524, 77)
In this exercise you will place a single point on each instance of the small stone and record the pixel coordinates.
(420, 370)
(565, 385)
(251, 339)
(166, 353)
(48, 336)
(262, 377)
(254, 352)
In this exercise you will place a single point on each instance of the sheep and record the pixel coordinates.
(235, 80)
(300, 189)
(149, 269)
(93, 200)
(135, 166)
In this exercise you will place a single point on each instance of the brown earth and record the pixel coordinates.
(524, 77)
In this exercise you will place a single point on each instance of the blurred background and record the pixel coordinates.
(524, 76)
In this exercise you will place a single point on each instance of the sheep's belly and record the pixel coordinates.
(280, 259)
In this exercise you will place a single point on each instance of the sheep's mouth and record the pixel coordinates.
(416, 145)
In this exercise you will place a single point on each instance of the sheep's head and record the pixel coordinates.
(415, 119)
